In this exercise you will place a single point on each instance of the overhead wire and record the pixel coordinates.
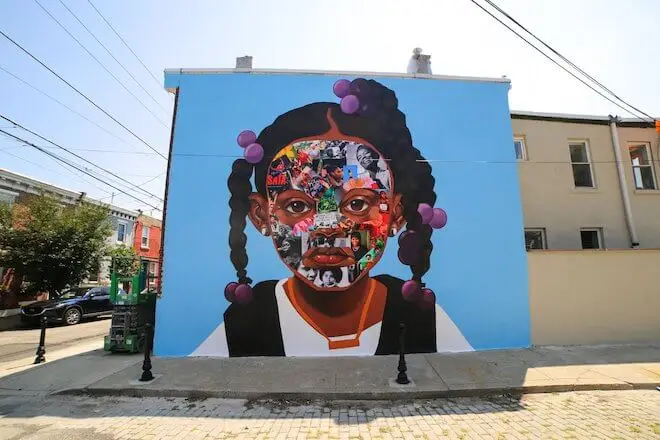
(130, 184)
(555, 61)
(49, 169)
(160, 84)
(16, 77)
(114, 58)
(82, 170)
(569, 62)
(83, 95)
(103, 66)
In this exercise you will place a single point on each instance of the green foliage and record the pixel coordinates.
(53, 246)
(124, 261)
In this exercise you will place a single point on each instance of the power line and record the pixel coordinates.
(117, 80)
(53, 171)
(113, 57)
(494, 5)
(553, 60)
(450, 161)
(153, 178)
(54, 156)
(130, 184)
(93, 150)
(66, 107)
(82, 94)
(125, 43)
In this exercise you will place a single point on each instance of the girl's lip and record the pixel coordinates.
(328, 257)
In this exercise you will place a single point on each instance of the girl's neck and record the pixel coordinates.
(330, 304)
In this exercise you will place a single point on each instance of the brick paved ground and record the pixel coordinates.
(599, 415)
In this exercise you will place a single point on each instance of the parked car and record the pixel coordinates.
(70, 307)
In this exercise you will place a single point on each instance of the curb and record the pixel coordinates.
(347, 395)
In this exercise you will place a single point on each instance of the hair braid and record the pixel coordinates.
(240, 188)
(404, 159)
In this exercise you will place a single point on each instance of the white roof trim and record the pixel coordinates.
(32, 185)
(572, 116)
(219, 71)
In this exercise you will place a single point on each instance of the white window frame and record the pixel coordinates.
(523, 142)
(649, 155)
(125, 232)
(142, 237)
(544, 238)
(589, 162)
(600, 235)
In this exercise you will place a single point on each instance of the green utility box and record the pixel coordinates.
(134, 307)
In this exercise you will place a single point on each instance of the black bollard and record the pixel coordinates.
(41, 350)
(402, 377)
(146, 365)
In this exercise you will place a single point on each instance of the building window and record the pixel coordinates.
(520, 148)
(145, 237)
(121, 232)
(535, 238)
(580, 161)
(592, 238)
(642, 166)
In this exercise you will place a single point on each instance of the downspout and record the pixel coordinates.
(627, 210)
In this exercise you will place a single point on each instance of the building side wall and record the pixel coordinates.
(594, 296)
(550, 198)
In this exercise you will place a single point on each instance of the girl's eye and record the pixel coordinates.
(357, 206)
(297, 207)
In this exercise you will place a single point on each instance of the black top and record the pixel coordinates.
(254, 329)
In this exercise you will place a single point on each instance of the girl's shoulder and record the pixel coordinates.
(254, 329)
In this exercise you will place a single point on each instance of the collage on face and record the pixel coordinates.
(329, 204)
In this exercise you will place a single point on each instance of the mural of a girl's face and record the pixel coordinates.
(319, 194)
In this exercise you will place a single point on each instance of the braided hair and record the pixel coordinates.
(383, 126)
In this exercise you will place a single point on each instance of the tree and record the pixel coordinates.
(124, 261)
(51, 245)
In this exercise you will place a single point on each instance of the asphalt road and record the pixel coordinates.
(17, 344)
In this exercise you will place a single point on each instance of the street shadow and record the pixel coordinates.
(276, 385)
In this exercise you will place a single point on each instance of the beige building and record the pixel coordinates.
(579, 189)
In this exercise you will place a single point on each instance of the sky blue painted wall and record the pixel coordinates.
(479, 264)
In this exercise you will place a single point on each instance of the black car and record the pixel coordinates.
(70, 307)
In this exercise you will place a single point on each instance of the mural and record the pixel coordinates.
(348, 202)
(333, 183)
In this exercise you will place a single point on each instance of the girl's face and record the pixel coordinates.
(328, 279)
(319, 214)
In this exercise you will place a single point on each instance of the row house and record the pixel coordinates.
(147, 244)
(588, 182)
(14, 187)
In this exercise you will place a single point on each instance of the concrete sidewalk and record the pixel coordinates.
(433, 375)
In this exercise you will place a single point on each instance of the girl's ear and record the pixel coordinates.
(259, 213)
(398, 220)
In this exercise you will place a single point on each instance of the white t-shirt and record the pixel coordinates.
(300, 339)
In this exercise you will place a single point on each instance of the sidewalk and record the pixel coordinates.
(433, 375)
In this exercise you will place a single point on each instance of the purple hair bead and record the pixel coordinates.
(243, 294)
(246, 138)
(349, 104)
(411, 291)
(427, 299)
(426, 212)
(341, 87)
(439, 219)
(230, 291)
(253, 153)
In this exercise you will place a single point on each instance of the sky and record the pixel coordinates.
(615, 44)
